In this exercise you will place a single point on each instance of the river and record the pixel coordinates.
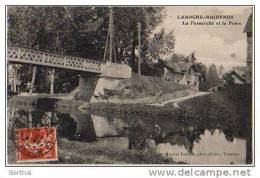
(181, 142)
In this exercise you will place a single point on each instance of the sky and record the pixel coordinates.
(224, 45)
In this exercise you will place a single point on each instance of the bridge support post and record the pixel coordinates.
(52, 81)
(85, 127)
(86, 87)
(33, 79)
(14, 79)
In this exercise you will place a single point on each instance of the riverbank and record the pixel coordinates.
(107, 151)
(104, 151)
(144, 90)
(158, 99)
(135, 90)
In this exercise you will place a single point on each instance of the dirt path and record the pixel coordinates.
(178, 100)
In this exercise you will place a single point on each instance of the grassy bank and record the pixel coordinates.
(107, 151)
(144, 86)
(103, 151)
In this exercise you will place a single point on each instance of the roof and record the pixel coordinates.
(239, 72)
(241, 78)
(248, 27)
(178, 67)
(181, 66)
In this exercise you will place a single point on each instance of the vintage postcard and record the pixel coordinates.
(130, 85)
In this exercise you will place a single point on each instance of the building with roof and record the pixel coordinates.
(183, 72)
(249, 57)
(237, 75)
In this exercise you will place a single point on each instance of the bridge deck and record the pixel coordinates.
(28, 56)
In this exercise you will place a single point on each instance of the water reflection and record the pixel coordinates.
(209, 149)
(183, 142)
(74, 126)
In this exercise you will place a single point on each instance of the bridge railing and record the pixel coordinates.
(23, 55)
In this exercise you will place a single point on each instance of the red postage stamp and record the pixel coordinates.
(36, 144)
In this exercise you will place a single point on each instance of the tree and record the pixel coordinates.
(220, 70)
(202, 68)
(193, 57)
(126, 38)
(175, 57)
(162, 44)
(49, 29)
(80, 31)
(212, 77)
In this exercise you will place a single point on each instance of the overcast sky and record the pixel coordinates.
(212, 44)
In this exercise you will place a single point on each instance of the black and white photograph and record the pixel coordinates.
(129, 85)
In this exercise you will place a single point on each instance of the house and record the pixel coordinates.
(237, 78)
(237, 75)
(183, 72)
